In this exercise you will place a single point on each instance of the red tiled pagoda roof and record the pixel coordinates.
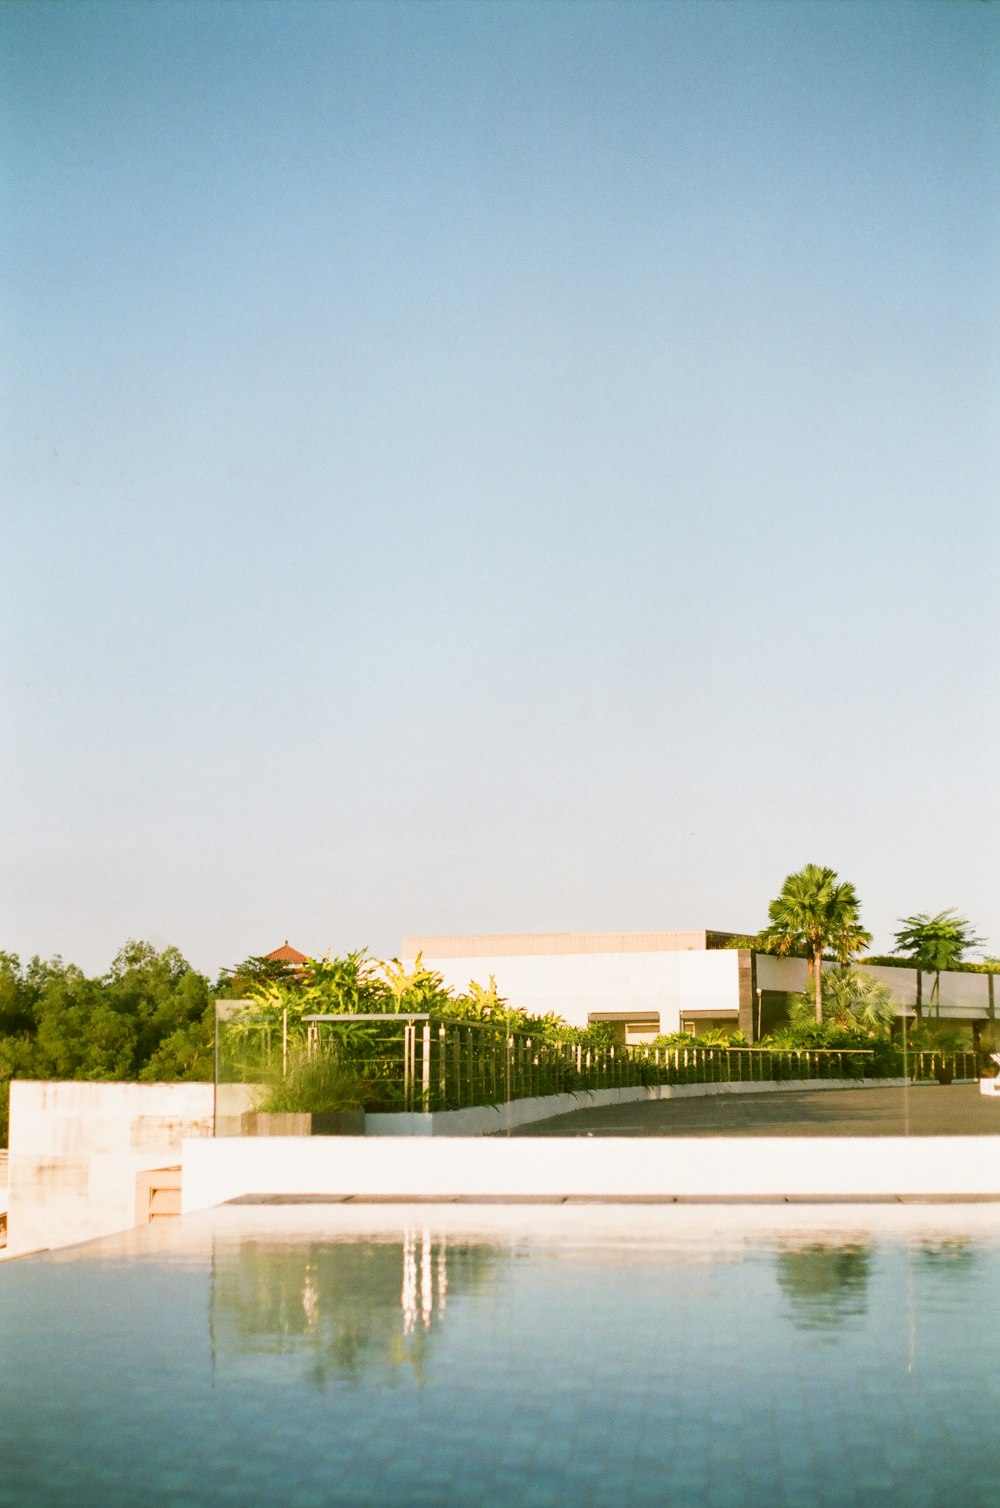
(285, 954)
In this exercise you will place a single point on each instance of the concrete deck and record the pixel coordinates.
(915, 1110)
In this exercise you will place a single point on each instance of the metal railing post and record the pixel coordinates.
(425, 1077)
(408, 1032)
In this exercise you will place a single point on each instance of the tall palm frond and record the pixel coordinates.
(935, 943)
(813, 912)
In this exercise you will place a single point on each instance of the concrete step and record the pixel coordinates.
(157, 1194)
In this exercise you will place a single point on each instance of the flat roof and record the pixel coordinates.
(520, 944)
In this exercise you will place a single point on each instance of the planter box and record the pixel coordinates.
(334, 1123)
(944, 1075)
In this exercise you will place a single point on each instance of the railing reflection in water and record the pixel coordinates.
(432, 1272)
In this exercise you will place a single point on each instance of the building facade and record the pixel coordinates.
(647, 983)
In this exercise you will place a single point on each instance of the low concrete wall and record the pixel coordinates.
(491, 1120)
(76, 1149)
(592, 1168)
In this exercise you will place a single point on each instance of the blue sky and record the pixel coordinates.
(510, 467)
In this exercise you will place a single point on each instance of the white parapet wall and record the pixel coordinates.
(76, 1149)
(592, 1168)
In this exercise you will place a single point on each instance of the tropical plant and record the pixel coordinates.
(814, 912)
(234, 984)
(268, 1008)
(487, 1000)
(352, 984)
(933, 944)
(850, 1000)
(882, 1055)
(416, 989)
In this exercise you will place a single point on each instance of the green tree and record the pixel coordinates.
(237, 983)
(150, 1018)
(168, 1001)
(935, 943)
(17, 998)
(814, 912)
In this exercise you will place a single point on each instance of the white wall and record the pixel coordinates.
(708, 981)
(788, 974)
(961, 994)
(75, 1150)
(575, 984)
(591, 1168)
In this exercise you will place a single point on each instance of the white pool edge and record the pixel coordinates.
(216, 1171)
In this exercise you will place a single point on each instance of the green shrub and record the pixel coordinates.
(934, 1035)
(316, 1084)
(716, 1036)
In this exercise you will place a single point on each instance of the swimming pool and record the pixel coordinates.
(537, 1355)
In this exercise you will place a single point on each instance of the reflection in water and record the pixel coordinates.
(825, 1285)
(610, 1357)
(369, 1308)
(347, 1310)
(430, 1269)
(957, 1253)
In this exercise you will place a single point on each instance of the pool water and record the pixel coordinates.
(396, 1355)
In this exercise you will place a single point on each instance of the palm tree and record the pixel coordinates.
(859, 1000)
(813, 912)
(934, 943)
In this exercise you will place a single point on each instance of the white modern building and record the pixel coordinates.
(653, 982)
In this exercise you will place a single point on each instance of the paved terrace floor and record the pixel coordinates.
(918, 1110)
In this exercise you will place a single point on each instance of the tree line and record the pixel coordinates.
(816, 915)
(150, 1018)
